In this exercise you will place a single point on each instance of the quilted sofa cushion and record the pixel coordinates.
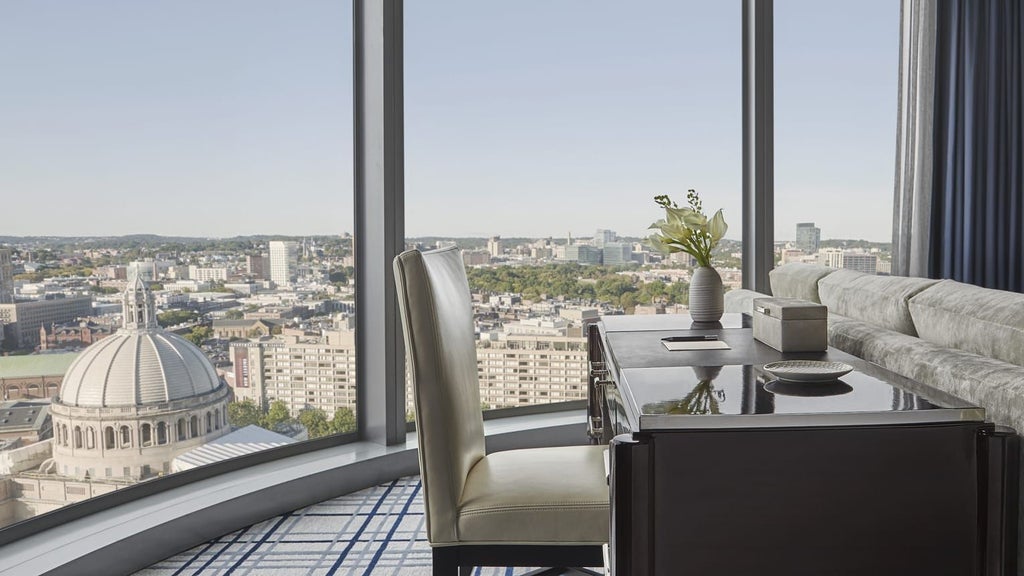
(796, 280)
(995, 385)
(979, 320)
(742, 300)
(878, 300)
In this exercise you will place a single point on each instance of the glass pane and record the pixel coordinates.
(835, 132)
(537, 136)
(175, 267)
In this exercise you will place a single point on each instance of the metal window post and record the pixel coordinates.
(379, 149)
(758, 145)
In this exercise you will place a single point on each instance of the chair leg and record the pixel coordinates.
(446, 561)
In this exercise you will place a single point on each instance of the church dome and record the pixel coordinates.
(140, 364)
(135, 367)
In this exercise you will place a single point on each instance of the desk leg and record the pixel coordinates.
(630, 551)
(1002, 500)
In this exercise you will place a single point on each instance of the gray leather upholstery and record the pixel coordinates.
(537, 496)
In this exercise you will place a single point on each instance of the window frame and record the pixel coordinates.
(378, 135)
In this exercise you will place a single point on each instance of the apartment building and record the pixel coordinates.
(303, 372)
(534, 361)
(284, 261)
(200, 274)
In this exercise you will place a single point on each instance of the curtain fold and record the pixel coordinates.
(976, 209)
(911, 236)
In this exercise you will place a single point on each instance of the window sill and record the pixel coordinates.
(140, 533)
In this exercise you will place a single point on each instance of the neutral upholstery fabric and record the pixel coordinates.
(995, 385)
(879, 300)
(797, 280)
(741, 300)
(522, 496)
(555, 496)
(979, 320)
(437, 313)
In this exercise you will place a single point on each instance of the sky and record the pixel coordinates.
(528, 118)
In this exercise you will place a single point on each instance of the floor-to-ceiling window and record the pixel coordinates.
(537, 136)
(206, 149)
(836, 74)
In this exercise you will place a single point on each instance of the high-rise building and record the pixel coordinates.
(284, 261)
(6, 277)
(602, 237)
(495, 247)
(583, 253)
(617, 253)
(256, 266)
(808, 237)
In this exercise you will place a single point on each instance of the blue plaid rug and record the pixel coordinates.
(378, 531)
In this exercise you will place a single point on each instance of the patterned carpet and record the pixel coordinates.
(377, 531)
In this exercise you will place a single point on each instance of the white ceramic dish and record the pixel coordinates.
(807, 370)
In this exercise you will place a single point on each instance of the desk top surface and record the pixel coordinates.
(730, 389)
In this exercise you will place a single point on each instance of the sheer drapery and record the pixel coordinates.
(911, 235)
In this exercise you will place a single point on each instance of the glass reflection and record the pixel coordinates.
(814, 390)
(702, 400)
(747, 390)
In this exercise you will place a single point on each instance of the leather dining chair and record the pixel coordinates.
(530, 507)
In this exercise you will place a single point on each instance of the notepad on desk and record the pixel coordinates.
(696, 345)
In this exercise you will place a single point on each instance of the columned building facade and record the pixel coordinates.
(133, 401)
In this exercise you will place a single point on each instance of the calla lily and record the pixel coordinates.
(677, 231)
(717, 227)
(657, 242)
(687, 229)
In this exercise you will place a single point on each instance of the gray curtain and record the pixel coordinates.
(912, 202)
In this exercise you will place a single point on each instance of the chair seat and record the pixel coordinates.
(536, 496)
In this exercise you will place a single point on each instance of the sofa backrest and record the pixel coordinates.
(797, 280)
(977, 320)
(879, 300)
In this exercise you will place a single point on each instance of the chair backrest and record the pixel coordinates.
(437, 317)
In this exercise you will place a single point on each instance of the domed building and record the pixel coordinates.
(133, 401)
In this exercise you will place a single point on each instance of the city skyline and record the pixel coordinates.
(246, 128)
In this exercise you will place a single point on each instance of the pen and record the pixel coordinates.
(704, 338)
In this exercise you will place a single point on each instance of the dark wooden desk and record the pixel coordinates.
(716, 470)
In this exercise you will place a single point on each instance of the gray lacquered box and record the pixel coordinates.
(791, 325)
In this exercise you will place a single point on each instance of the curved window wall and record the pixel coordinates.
(205, 149)
(539, 152)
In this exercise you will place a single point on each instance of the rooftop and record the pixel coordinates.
(36, 365)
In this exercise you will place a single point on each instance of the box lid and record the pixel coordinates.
(790, 309)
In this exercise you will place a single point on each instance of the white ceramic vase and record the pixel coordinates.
(707, 297)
